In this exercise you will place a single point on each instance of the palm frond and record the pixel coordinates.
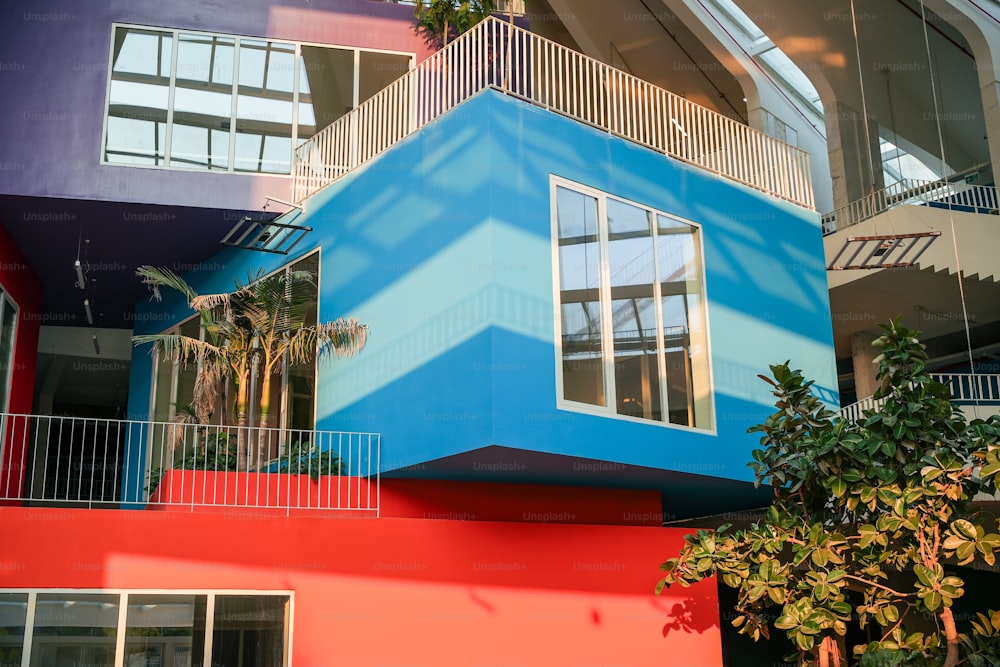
(179, 348)
(155, 278)
(343, 337)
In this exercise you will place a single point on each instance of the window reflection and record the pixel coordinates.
(631, 300)
(579, 280)
(72, 630)
(164, 630)
(227, 103)
(264, 107)
(138, 97)
(13, 615)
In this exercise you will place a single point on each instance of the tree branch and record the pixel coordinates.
(866, 582)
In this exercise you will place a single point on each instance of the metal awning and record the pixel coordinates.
(890, 251)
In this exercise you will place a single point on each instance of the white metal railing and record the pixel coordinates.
(964, 387)
(87, 462)
(959, 196)
(496, 55)
(971, 387)
(499, 6)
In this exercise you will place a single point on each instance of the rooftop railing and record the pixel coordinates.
(966, 389)
(940, 194)
(497, 55)
(109, 463)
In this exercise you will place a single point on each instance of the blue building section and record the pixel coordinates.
(443, 246)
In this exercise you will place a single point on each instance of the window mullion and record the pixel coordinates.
(607, 326)
(120, 636)
(357, 79)
(209, 628)
(29, 629)
(661, 352)
(167, 148)
(297, 64)
(233, 105)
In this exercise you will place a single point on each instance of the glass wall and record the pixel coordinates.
(176, 629)
(632, 333)
(190, 100)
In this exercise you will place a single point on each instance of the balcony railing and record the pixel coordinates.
(966, 389)
(939, 194)
(72, 461)
(516, 62)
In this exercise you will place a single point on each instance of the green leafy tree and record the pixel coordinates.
(440, 21)
(253, 328)
(868, 519)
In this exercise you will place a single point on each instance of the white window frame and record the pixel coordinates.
(123, 595)
(167, 141)
(609, 410)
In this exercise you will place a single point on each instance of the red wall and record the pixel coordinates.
(394, 591)
(18, 280)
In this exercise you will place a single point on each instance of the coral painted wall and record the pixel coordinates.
(395, 591)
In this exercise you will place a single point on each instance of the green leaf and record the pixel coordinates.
(838, 487)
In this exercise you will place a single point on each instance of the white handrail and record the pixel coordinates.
(964, 387)
(911, 191)
(90, 462)
(495, 54)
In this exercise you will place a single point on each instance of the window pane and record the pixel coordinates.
(137, 106)
(250, 631)
(202, 102)
(164, 630)
(633, 311)
(13, 612)
(684, 332)
(264, 107)
(326, 88)
(579, 280)
(378, 70)
(301, 390)
(73, 630)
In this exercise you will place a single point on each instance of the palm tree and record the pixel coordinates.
(438, 19)
(259, 324)
(275, 309)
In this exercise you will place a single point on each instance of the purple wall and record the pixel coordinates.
(54, 68)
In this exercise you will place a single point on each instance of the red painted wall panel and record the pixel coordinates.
(21, 283)
(395, 591)
(468, 501)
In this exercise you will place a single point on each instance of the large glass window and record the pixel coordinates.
(74, 629)
(292, 389)
(225, 103)
(13, 619)
(179, 629)
(631, 325)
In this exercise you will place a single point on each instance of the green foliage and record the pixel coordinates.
(868, 519)
(440, 21)
(214, 453)
(303, 459)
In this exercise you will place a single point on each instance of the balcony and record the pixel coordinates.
(517, 63)
(943, 194)
(109, 463)
(975, 394)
